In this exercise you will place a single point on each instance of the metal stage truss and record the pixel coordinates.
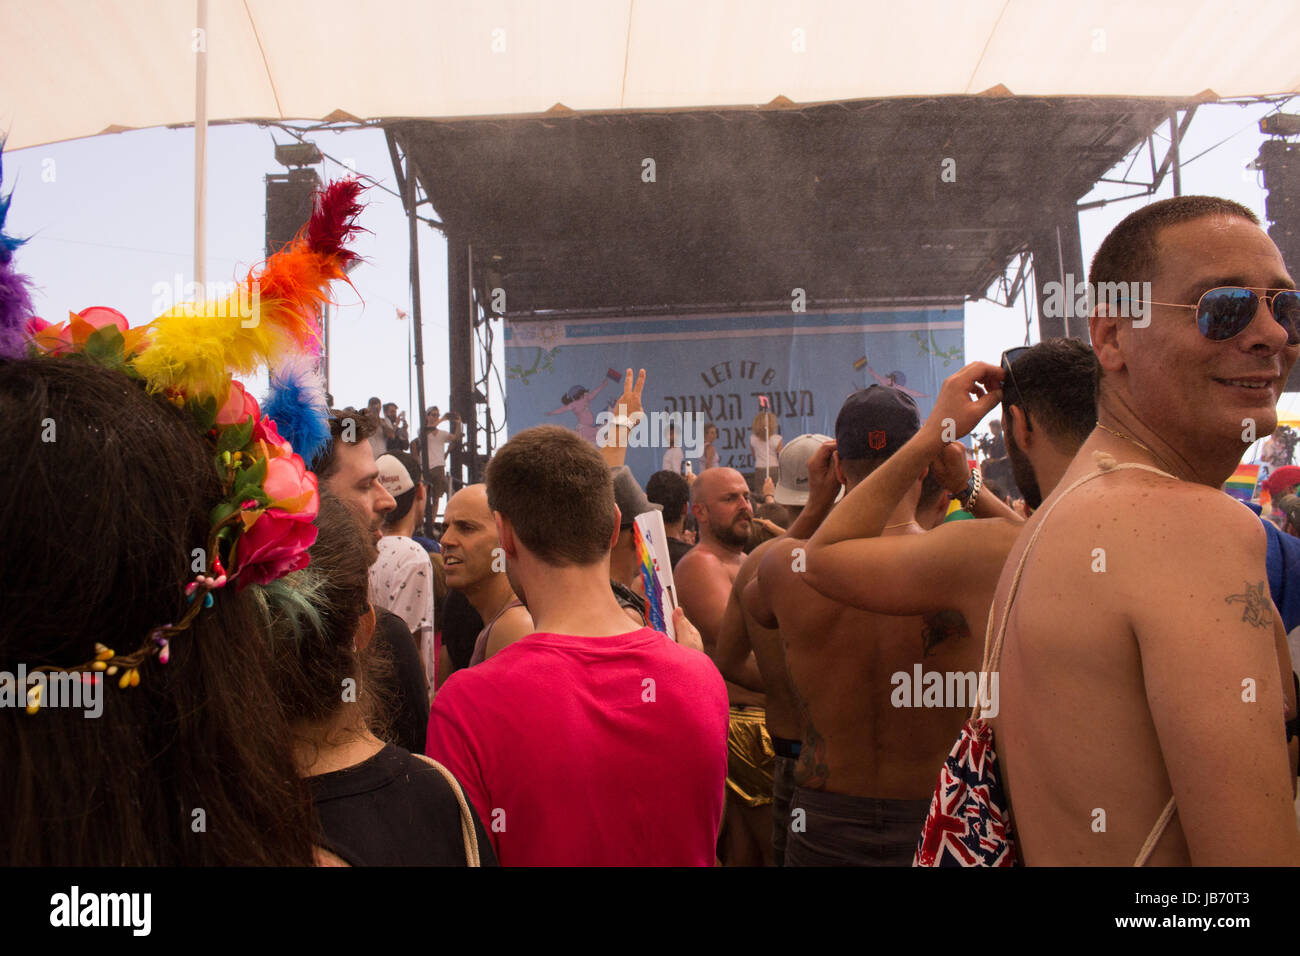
(858, 203)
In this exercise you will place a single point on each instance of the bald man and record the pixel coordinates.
(475, 565)
(721, 505)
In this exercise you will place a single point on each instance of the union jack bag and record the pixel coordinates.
(969, 823)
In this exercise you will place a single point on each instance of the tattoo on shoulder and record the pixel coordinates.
(1257, 605)
(939, 627)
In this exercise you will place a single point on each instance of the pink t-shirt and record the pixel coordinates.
(589, 751)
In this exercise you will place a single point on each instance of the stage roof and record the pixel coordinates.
(74, 68)
(849, 202)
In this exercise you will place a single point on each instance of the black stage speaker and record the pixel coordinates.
(1279, 160)
(288, 205)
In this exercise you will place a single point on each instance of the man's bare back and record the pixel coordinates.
(1149, 618)
(842, 663)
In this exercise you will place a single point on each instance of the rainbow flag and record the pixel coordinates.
(1242, 483)
(656, 571)
(860, 364)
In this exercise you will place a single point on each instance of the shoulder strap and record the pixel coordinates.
(1105, 465)
(466, 818)
(1156, 833)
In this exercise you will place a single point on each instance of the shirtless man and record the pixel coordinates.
(475, 565)
(950, 573)
(753, 656)
(720, 503)
(1143, 660)
(865, 768)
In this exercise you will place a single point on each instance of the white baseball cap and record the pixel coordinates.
(792, 483)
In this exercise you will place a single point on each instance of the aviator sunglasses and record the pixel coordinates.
(1226, 311)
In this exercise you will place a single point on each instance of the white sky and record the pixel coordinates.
(111, 223)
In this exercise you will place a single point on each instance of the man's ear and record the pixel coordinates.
(618, 521)
(1103, 329)
(506, 535)
(1021, 429)
(839, 469)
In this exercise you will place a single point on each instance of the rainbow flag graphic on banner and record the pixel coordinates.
(656, 571)
(1242, 483)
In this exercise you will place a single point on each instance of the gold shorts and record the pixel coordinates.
(751, 760)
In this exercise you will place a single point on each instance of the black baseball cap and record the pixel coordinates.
(875, 422)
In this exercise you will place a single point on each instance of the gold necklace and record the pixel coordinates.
(901, 525)
(1128, 438)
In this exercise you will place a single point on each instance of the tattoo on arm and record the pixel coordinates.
(1257, 608)
(939, 627)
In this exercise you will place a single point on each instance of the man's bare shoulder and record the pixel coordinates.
(1156, 505)
(776, 558)
(695, 560)
(749, 568)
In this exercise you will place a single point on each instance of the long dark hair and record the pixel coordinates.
(104, 496)
(313, 618)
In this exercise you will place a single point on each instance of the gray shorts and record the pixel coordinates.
(840, 830)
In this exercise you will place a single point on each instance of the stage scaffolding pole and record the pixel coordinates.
(410, 201)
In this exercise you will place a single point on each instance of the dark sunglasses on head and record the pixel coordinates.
(1009, 356)
(1226, 311)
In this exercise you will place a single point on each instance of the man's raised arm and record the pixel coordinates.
(847, 560)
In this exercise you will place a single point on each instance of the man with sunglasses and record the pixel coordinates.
(1144, 673)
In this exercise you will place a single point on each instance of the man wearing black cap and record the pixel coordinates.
(950, 574)
(866, 768)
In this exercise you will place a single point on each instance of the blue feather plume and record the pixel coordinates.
(296, 404)
(15, 298)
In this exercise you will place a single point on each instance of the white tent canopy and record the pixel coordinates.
(74, 68)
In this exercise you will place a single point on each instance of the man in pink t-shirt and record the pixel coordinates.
(588, 742)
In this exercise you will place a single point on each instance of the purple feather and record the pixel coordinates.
(15, 299)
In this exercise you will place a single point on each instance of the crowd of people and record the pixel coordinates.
(1101, 676)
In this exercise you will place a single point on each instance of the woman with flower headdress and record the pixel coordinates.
(189, 764)
(146, 499)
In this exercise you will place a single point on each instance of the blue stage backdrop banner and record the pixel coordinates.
(719, 368)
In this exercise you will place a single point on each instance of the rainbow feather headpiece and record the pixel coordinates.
(264, 524)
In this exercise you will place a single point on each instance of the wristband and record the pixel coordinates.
(627, 421)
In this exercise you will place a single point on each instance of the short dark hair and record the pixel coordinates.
(1129, 252)
(557, 492)
(388, 405)
(669, 489)
(1056, 383)
(326, 461)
